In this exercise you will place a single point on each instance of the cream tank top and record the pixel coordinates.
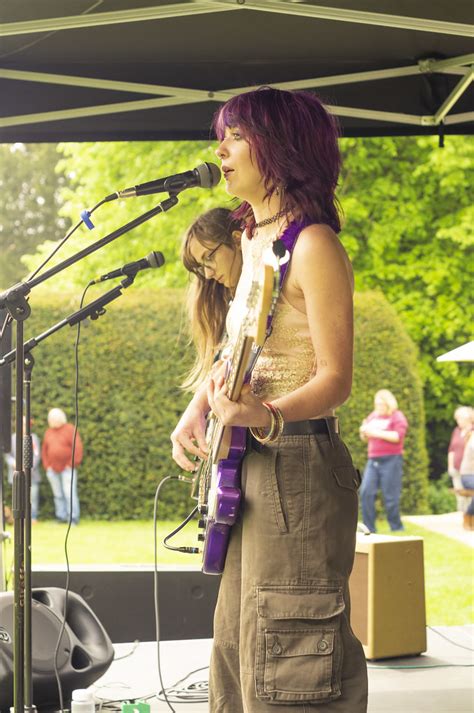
(287, 360)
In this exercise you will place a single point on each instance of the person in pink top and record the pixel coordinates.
(384, 430)
(463, 416)
(56, 454)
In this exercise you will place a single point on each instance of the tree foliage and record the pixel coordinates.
(96, 170)
(30, 202)
(410, 232)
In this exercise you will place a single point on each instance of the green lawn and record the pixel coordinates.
(449, 576)
(448, 564)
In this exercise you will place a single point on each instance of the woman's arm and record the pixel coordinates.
(390, 436)
(451, 469)
(320, 271)
(362, 433)
(190, 432)
(395, 431)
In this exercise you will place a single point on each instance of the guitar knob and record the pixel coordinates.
(201, 537)
(202, 523)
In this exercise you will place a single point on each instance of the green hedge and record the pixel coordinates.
(131, 363)
(441, 498)
(386, 358)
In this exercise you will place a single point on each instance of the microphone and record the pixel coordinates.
(206, 175)
(154, 259)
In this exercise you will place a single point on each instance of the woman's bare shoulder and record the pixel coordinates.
(317, 238)
(320, 248)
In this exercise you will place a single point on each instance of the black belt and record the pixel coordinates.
(328, 425)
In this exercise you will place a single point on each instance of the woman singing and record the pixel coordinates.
(282, 635)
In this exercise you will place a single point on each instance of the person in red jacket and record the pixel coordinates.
(384, 430)
(56, 454)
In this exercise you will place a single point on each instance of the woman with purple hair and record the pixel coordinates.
(282, 635)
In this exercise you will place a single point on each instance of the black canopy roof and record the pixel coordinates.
(155, 69)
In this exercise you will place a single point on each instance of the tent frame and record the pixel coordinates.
(175, 96)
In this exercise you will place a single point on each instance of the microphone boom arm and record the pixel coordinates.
(94, 310)
(17, 293)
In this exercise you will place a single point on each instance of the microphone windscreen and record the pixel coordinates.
(209, 175)
(155, 259)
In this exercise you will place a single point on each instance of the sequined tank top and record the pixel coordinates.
(287, 360)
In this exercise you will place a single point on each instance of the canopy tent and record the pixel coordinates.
(462, 353)
(154, 69)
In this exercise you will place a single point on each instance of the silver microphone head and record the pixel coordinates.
(209, 175)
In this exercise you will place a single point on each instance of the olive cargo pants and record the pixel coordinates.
(282, 635)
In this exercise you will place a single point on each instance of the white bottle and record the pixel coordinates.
(82, 701)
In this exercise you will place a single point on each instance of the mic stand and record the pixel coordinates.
(94, 310)
(28, 364)
(14, 300)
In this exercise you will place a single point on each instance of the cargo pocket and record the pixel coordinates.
(299, 649)
(277, 494)
(346, 476)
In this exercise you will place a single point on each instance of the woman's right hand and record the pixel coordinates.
(362, 433)
(190, 435)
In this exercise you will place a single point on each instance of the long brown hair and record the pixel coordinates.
(207, 299)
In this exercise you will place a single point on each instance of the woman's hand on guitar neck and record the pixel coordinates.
(190, 435)
(247, 410)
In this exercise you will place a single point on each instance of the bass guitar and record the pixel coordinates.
(217, 480)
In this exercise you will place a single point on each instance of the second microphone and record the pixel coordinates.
(153, 259)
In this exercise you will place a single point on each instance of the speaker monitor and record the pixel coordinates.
(388, 595)
(122, 598)
(85, 651)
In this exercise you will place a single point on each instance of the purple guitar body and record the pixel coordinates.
(223, 503)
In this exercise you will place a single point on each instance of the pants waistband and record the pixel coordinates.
(321, 426)
(328, 425)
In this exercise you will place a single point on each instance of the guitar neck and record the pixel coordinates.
(235, 380)
(239, 368)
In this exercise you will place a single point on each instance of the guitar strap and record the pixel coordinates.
(288, 238)
(283, 249)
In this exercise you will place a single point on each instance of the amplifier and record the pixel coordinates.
(388, 595)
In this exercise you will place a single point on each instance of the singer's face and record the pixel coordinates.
(242, 176)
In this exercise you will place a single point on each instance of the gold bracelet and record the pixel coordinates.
(259, 433)
(279, 422)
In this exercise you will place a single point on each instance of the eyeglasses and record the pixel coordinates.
(207, 262)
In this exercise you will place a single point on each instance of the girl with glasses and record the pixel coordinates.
(211, 253)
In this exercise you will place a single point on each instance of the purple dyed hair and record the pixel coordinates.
(294, 143)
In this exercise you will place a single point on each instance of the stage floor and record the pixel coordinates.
(439, 681)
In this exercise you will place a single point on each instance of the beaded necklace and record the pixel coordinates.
(272, 219)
